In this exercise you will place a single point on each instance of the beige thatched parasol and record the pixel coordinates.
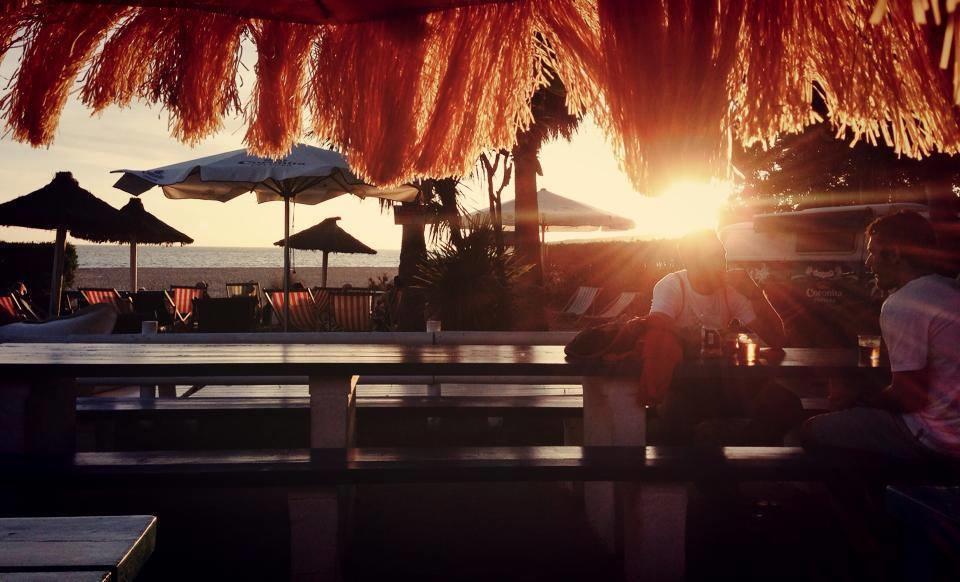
(141, 227)
(328, 237)
(64, 206)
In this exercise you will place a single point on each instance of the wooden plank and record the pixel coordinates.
(339, 359)
(62, 576)
(227, 405)
(461, 464)
(117, 544)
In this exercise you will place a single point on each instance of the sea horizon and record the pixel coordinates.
(222, 257)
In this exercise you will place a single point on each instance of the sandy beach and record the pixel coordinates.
(162, 278)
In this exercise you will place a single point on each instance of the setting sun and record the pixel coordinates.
(684, 207)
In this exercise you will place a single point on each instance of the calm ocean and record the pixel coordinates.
(99, 256)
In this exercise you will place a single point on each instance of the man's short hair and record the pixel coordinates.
(908, 230)
(692, 243)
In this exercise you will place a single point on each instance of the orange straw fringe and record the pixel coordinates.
(675, 83)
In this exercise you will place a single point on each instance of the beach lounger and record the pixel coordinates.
(182, 298)
(226, 314)
(303, 308)
(9, 309)
(248, 289)
(581, 301)
(95, 296)
(615, 308)
(154, 305)
(353, 311)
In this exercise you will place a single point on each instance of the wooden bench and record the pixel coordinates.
(316, 519)
(256, 422)
(112, 548)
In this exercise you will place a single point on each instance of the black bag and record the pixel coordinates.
(617, 338)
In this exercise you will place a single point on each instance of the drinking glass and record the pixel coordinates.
(869, 349)
(748, 345)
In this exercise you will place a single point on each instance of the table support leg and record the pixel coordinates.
(646, 523)
(333, 412)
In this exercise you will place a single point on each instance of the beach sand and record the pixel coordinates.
(162, 278)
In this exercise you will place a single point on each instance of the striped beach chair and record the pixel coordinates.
(581, 301)
(248, 289)
(353, 311)
(182, 296)
(615, 308)
(303, 308)
(94, 296)
(9, 309)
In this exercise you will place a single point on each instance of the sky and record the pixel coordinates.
(90, 146)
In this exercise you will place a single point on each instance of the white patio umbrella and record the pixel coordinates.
(309, 175)
(558, 213)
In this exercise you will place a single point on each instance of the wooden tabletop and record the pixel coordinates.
(92, 359)
(76, 548)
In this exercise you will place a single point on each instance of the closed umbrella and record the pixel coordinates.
(329, 238)
(141, 227)
(308, 175)
(63, 206)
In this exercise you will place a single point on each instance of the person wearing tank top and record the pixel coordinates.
(707, 294)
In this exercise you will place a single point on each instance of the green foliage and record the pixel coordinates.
(468, 286)
(32, 263)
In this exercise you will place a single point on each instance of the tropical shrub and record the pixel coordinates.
(469, 285)
(32, 263)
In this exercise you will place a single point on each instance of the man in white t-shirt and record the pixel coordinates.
(918, 415)
(706, 294)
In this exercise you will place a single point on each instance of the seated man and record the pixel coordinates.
(916, 417)
(706, 294)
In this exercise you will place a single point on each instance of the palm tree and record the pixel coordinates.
(437, 205)
(551, 120)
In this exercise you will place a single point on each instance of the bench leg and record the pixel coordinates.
(167, 390)
(148, 391)
(317, 516)
(315, 534)
(611, 416)
(39, 417)
(655, 522)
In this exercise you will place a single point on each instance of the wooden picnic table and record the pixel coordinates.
(112, 548)
(39, 382)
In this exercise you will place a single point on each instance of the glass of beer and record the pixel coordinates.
(869, 349)
(747, 346)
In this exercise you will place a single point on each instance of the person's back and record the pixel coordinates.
(921, 325)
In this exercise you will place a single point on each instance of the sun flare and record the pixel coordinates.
(683, 207)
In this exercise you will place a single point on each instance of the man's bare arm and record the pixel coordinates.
(768, 324)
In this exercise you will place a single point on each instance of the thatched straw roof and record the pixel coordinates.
(64, 204)
(421, 87)
(145, 228)
(327, 236)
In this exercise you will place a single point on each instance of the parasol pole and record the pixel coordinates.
(324, 279)
(286, 261)
(133, 266)
(56, 278)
